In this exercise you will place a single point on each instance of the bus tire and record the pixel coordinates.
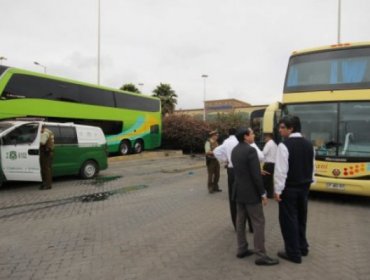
(139, 146)
(124, 148)
(89, 169)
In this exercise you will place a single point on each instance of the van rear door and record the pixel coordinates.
(20, 153)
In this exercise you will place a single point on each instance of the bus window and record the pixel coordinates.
(94, 96)
(23, 86)
(128, 101)
(354, 129)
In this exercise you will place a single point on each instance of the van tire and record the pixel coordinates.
(89, 169)
(124, 148)
(138, 146)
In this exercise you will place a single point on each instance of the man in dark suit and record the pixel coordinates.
(294, 170)
(249, 194)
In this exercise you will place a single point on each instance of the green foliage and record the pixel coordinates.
(222, 122)
(184, 132)
(167, 96)
(189, 134)
(130, 87)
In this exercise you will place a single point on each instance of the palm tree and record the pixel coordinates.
(167, 96)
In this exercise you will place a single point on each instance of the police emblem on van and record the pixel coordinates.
(13, 155)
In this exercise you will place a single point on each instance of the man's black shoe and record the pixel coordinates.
(284, 256)
(244, 254)
(304, 253)
(266, 260)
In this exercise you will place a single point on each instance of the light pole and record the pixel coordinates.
(204, 76)
(339, 19)
(98, 62)
(43, 66)
(1, 59)
(140, 86)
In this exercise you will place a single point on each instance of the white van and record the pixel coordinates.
(78, 149)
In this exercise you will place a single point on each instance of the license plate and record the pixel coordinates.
(335, 186)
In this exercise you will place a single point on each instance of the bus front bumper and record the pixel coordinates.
(340, 185)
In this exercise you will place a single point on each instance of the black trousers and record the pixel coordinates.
(268, 179)
(293, 220)
(232, 203)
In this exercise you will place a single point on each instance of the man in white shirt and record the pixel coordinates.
(294, 170)
(269, 152)
(223, 154)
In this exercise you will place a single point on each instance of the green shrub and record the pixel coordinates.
(185, 133)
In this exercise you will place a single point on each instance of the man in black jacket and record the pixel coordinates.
(249, 194)
(294, 169)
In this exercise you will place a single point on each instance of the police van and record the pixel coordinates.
(78, 150)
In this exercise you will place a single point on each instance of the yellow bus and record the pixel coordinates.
(329, 89)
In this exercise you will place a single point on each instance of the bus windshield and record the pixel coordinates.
(329, 70)
(340, 129)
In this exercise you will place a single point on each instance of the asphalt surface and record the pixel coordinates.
(154, 219)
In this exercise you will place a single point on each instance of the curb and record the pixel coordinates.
(148, 155)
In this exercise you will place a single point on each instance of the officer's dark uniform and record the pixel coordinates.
(46, 159)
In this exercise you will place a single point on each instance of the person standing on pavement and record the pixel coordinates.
(249, 194)
(46, 157)
(223, 154)
(213, 166)
(294, 170)
(269, 152)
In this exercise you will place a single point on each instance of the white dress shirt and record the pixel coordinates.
(261, 157)
(269, 151)
(223, 152)
(282, 165)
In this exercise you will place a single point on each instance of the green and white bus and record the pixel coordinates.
(130, 122)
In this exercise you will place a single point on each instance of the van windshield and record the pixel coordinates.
(4, 126)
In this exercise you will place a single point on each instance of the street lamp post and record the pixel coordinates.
(98, 62)
(204, 76)
(39, 64)
(339, 19)
(1, 59)
(140, 86)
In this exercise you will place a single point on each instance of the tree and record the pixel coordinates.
(167, 96)
(130, 87)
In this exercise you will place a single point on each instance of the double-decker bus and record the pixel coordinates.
(329, 89)
(130, 122)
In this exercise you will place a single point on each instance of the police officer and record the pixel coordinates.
(213, 166)
(46, 157)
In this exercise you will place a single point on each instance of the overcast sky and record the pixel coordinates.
(242, 45)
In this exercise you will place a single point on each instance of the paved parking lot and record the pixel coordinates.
(154, 219)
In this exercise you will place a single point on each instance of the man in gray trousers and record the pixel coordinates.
(249, 194)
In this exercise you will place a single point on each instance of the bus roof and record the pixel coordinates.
(331, 47)
(37, 74)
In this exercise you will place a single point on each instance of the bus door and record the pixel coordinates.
(20, 153)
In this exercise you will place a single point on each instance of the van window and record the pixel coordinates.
(24, 134)
(63, 134)
(68, 135)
